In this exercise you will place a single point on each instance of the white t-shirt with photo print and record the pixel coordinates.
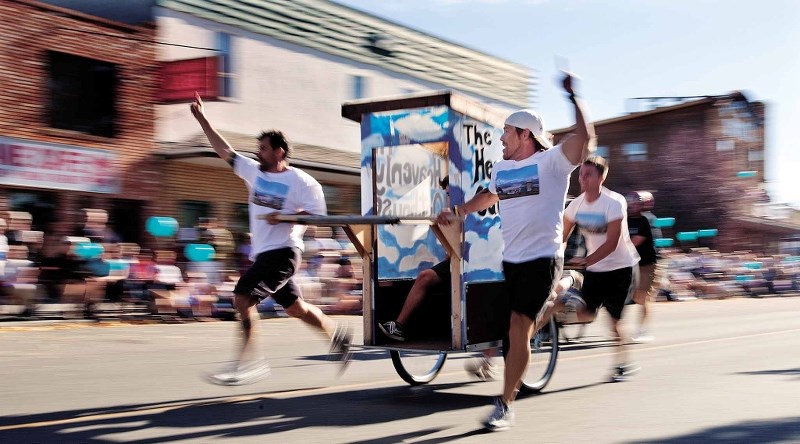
(592, 220)
(288, 192)
(532, 193)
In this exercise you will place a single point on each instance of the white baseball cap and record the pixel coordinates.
(530, 120)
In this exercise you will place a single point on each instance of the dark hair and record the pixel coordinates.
(276, 140)
(536, 145)
(444, 182)
(599, 163)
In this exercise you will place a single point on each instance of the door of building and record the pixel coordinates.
(125, 219)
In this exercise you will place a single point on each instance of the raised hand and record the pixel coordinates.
(197, 107)
(569, 82)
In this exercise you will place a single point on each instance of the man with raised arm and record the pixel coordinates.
(274, 188)
(531, 185)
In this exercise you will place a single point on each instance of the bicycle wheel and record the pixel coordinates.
(544, 352)
(417, 367)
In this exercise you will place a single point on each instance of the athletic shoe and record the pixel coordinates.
(340, 345)
(577, 278)
(394, 330)
(242, 374)
(482, 368)
(641, 337)
(624, 372)
(573, 303)
(502, 417)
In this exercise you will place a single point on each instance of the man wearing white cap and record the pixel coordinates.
(531, 185)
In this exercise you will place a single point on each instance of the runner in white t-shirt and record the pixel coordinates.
(274, 188)
(612, 263)
(530, 183)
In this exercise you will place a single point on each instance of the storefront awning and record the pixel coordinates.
(302, 156)
(769, 226)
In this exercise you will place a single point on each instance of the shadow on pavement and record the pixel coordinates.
(406, 436)
(237, 416)
(787, 372)
(780, 430)
(402, 437)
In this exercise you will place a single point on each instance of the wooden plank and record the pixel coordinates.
(351, 220)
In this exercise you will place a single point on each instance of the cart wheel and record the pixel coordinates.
(417, 367)
(544, 352)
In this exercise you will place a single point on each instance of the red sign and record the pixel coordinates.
(45, 165)
(181, 78)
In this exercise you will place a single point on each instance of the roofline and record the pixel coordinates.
(190, 153)
(355, 109)
(433, 36)
(703, 101)
(82, 16)
(515, 96)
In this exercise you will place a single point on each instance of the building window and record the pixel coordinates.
(82, 94)
(755, 156)
(725, 145)
(241, 218)
(603, 151)
(635, 152)
(225, 64)
(192, 211)
(359, 85)
(41, 205)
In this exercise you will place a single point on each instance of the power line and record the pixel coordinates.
(138, 39)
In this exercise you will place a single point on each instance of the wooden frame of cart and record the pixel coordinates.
(408, 146)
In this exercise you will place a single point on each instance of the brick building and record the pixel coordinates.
(693, 157)
(265, 64)
(76, 117)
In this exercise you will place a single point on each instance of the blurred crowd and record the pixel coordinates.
(91, 273)
(706, 273)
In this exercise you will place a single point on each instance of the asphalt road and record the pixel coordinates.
(718, 371)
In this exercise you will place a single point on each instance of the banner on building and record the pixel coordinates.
(54, 166)
(180, 79)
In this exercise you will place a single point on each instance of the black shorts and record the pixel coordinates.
(610, 289)
(271, 275)
(442, 269)
(528, 284)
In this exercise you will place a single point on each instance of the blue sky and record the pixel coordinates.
(637, 48)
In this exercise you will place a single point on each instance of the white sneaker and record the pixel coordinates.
(641, 337)
(482, 368)
(242, 374)
(502, 417)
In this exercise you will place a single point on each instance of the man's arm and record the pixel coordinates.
(480, 201)
(581, 143)
(220, 145)
(612, 239)
(568, 227)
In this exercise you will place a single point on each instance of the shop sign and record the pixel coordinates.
(180, 79)
(55, 166)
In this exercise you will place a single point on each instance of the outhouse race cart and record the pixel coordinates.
(408, 145)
